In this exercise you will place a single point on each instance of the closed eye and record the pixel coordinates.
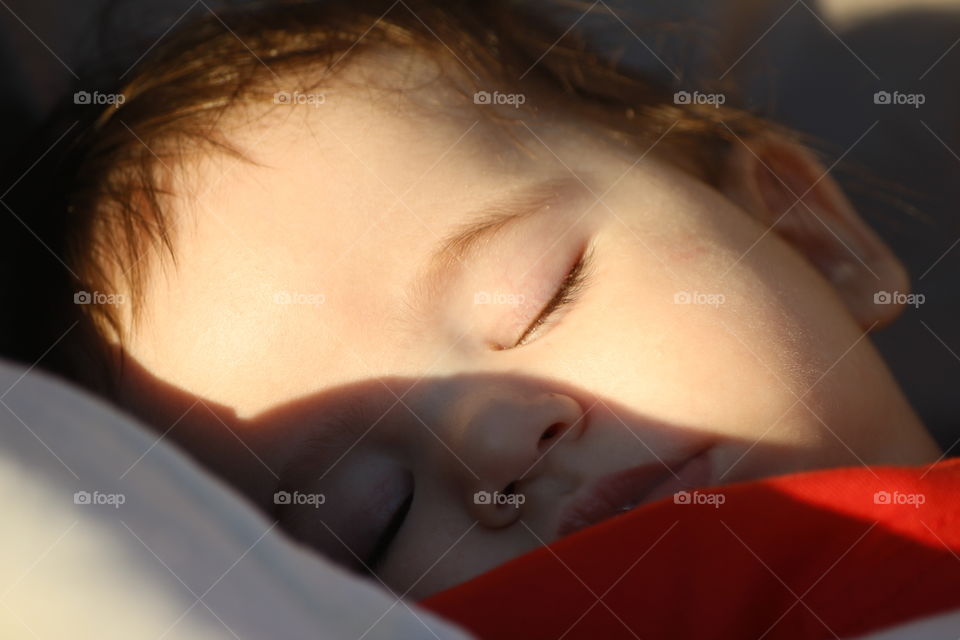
(386, 537)
(568, 292)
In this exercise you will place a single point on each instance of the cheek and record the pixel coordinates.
(689, 364)
(677, 334)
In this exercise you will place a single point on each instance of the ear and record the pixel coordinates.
(785, 187)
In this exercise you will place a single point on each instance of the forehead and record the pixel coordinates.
(300, 258)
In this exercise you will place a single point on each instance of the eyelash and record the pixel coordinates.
(389, 533)
(569, 291)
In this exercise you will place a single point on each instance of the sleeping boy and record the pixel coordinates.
(436, 287)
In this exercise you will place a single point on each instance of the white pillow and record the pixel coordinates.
(161, 548)
(943, 626)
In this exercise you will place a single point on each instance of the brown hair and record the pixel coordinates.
(104, 209)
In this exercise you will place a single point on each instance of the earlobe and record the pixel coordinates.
(785, 187)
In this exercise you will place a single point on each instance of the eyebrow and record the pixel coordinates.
(483, 226)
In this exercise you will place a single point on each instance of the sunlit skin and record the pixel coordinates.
(304, 286)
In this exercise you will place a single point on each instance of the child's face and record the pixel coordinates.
(318, 273)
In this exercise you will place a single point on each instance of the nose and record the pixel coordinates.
(504, 440)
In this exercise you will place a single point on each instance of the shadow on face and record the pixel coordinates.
(428, 482)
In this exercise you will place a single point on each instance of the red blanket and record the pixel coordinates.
(811, 555)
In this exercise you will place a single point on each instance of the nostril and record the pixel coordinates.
(510, 489)
(551, 431)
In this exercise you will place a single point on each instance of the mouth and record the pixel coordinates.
(619, 492)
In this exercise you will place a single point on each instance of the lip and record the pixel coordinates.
(618, 492)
